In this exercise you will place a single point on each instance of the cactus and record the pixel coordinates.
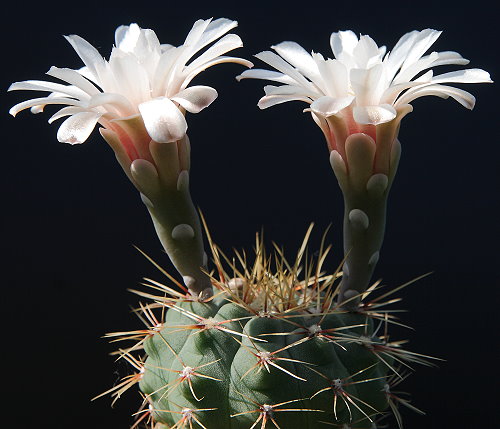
(266, 343)
(268, 348)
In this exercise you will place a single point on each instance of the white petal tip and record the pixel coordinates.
(163, 120)
(77, 128)
(328, 106)
(244, 75)
(71, 141)
(196, 98)
(261, 104)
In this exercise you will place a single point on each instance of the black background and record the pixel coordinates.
(70, 217)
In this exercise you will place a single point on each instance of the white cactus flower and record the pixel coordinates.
(143, 82)
(363, 87)
(140, 96)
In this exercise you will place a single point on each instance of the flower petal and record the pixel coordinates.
(196, 98)
(214, 30)
(143, 44)
(160, 81)
(463, 76)
(65, 111)
(298, 57)
(434, 88)
(266, 75)
(343, 41)
(421, 43)
(113, 103)
(192, 41)
(40, 85)
(374, 114)
(89, 55)
(366, 52)
(334, 75)
(78, 127)
(281, 65)
(196, 32)
(432, 60)
(132, 77)
(126, 37)
(465, 98)
(285, 90)
(74, 78)
(218, 60)
(166, 47)
(14, 110)
(272, 100)
(368, 84)
(397, 56)
(133, 39)
(391, 94)
(163, 120)
(328, 106)
(226, 44)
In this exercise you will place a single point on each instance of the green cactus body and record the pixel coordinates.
(225, 367)
(268, 350)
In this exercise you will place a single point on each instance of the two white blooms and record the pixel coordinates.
(361, 89)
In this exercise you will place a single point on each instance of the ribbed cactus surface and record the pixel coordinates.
(271, 349)
(222, 367)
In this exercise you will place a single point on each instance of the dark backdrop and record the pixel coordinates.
(70, 217)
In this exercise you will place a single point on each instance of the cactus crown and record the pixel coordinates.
(270, 286)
